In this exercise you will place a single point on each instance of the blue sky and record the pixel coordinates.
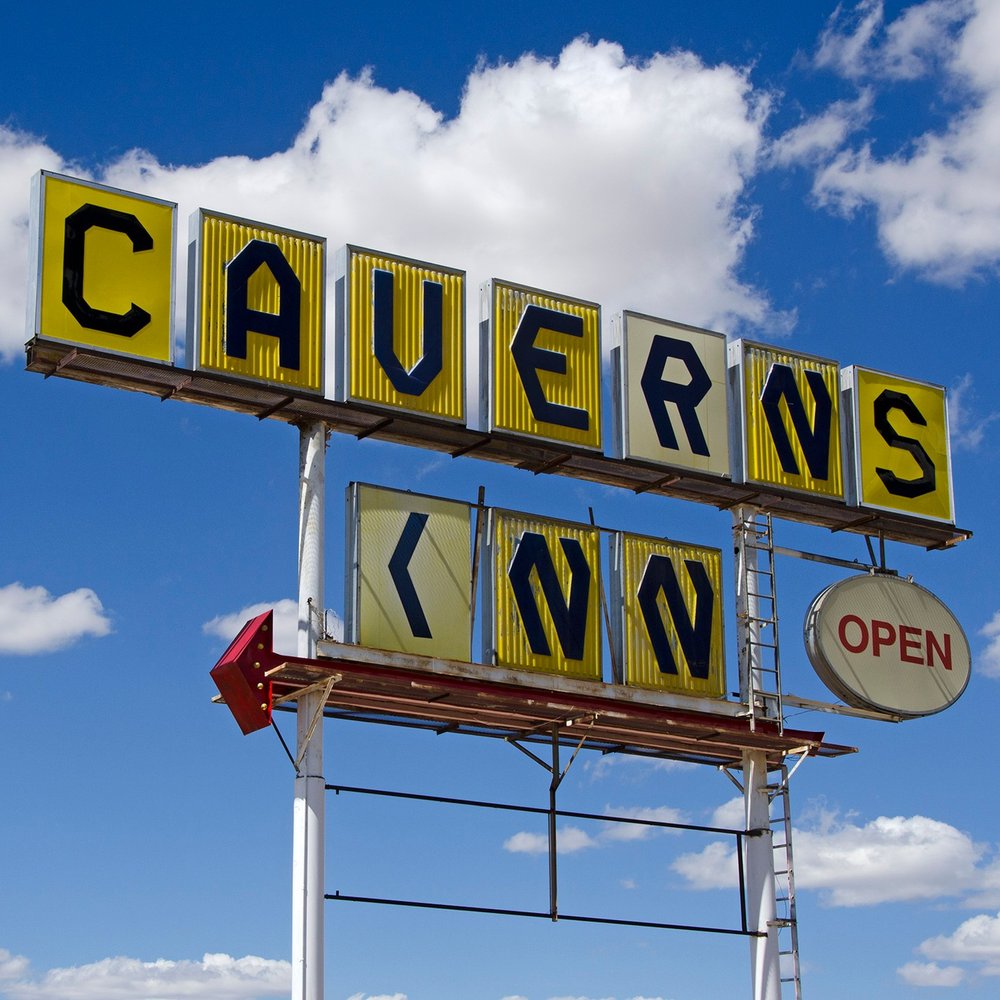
(818, 176)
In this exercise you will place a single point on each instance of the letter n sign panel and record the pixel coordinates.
(672, 384)
(898, 444)
(544, 365)
(541, 596)
(400, 334)
(257, 302)
(669, 625)
(787, 408)
(409, 573)
(105, 267)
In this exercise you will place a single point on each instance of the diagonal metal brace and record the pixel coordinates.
(326, 687)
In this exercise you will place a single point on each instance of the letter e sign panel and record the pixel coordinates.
(409, 569)
(787, 413)
(898, 444)
(672, 383)
(544, 365)
(400, 334)
(258, 302)
(104, 267)
(541, 596)
(669, 625)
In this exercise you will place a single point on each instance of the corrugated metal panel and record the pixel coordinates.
(414, 573)
(804, 458)
(444, 395)
(221, 239)
(645, 567)
(571, 552)
(911, 472)
(114, 276)
(579, 388)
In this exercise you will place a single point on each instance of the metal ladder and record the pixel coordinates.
(784, 883)
(757, 607)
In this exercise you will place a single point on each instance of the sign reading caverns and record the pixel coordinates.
(410, 566)
(104, 280)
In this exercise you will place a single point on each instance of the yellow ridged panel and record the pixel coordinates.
(763, 367)
(578, 388)
(116, 276)
(906, 465)
(438, 567)
(697, 572)
(221, 239)
(444, 394)
(514, 634)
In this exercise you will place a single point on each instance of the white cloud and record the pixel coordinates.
(930, 974)
(966, 428)
(730, 815)
(12, 966)
(625, 767)
(938, 200)
(547, 168)
(635, 831)
(377, 996)
(889, 859)
(33, 621)
(822, 134)
(215, 977)
(975, 940)
(989, 661)
(569, 840)
(286, 623)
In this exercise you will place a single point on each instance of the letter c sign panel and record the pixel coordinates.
(105, 267)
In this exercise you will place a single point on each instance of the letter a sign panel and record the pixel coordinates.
(788, 413)
(257, 302)
(541, 594)
(105, 267)
(411, 562)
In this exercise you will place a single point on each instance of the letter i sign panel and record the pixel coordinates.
(105, 267)
(412, 564)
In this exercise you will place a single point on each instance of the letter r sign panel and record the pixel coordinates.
(410, 573)
(543, 356)
(103, 267)
(787, 420)
(671, 384)
(541, 596)
(257, 302)
(898, 444)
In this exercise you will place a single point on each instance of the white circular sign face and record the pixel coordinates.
(882, 643)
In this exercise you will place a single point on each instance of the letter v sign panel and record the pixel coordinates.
(409, 573)
(787, 414)
(668, 629)
(541, 596)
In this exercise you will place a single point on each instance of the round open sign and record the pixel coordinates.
(886, 644)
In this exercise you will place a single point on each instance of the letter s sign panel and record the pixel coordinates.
(898, 444)
(257, 302)
(105, 267)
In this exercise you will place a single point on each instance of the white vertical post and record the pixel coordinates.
(308, 836)
(765, 960)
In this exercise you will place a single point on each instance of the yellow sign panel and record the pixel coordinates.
(545, 371)
(900, 444)
(791, 420)
(403, 326)
(674, 395)
(670, 634)
(259, 302)
(105, 276)
(544, 589)
(413, 558)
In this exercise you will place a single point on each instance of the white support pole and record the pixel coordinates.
(308, 835)
(765, 960)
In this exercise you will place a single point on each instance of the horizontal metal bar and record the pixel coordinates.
(481, 803)
(541, 914)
